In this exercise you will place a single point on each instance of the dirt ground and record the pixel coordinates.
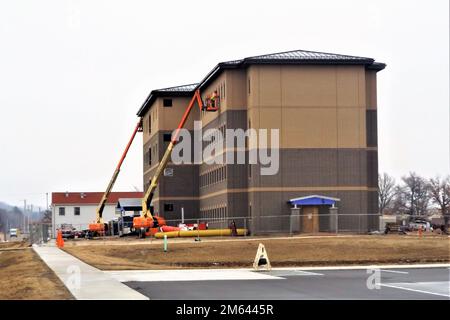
(304, 251)
(13, 245)
(24, 276)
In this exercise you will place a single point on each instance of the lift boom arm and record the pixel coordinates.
(146, 201)
(101, 206)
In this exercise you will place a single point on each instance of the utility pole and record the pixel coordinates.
(24, 212)
(28, 218)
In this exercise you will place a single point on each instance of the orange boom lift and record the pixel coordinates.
(98, 227)
(146, 220)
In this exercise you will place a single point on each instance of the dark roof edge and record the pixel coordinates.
(370, 64)
(162, 93)
(377, 66)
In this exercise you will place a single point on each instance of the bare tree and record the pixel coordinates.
(386, 191)
(415, 192)
(47, 216)
(439, 190)
(399, 203)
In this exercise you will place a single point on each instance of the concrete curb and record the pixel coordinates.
(84, 281)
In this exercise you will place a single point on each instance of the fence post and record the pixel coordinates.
(245, 226)
(337, 223)
(198, 231)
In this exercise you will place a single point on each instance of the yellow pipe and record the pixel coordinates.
(200, 233)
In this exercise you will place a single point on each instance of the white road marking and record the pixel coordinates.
(364, 267)
(189, 275)
(307, 273)
(442, 287)
(394, 271)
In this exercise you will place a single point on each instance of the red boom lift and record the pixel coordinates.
(146, 220)
(98, 227)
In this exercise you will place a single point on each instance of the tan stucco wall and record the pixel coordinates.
(313, 106)
(371, 90)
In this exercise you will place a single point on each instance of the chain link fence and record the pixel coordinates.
(39, 233)
(286, 225)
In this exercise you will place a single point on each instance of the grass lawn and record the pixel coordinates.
(321, 251)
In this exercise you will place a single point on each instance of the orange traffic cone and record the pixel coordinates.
(59, 239)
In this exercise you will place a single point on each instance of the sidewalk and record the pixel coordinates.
(84, 281)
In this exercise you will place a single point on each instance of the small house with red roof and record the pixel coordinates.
(79, 208)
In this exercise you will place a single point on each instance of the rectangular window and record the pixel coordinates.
(62, 211)
(76, 211)
(168, 207)
(248, 85)
(167, 137)
(150, 155)
(167, 102)
(149, 124)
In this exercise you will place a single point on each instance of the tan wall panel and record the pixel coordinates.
(309, 86)
(269, 86)
(371, 89)
(309, 128)
(362, 128)
(253, 96)
(348, 86)
(237, 90)
(152, 111)
(349, 128)
(269, 118)
(362, 86)
(169, 117)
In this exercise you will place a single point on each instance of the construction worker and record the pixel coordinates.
(233, 229)
(213, 100)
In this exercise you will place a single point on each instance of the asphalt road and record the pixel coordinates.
(295, 284)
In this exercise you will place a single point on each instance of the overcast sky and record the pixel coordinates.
(74, 73)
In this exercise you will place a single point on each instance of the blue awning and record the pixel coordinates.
(314, 200)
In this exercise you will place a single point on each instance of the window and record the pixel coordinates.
(62, 211)
(149, 124)
(150, 155)
(248, 85)
(167, 137)
(167, 102)
(76, 211)
(168, 207)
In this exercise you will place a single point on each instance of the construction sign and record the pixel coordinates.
(262, 261)
(59, 240)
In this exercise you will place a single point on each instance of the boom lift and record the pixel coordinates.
(146, 220)
(98, 226)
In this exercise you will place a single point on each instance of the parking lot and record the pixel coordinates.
(414, 283)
